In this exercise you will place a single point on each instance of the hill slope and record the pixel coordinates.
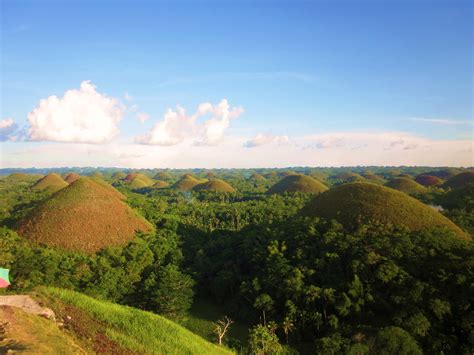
(129, 328)
(406, 185)
(428, 180)
(85, 216)
(186, 183)
(71, 177)
(138, 181)
(357, 203)
(297, 183)
(215, 185)
(51, 182)
(460, 180)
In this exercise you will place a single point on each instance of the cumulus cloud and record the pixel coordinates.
(262, 139)
(142, 117)
(82, 115)
(8, 128)
(177, 126)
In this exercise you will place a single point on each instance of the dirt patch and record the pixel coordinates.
(27, 304)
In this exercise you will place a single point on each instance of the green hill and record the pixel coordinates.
(460, 180)
(428, 180)
(257, 177)
(186, 183)
(360, 202)
(121, 329)
(287, 173)
(215, 185)
(22, 177)
(71, 177)
(406, 185)
(119, 175)
(347, 176)
(85, 216)
(163, 175)
(138, 181)
(51, 182)
(317, 175)
(371, 177)
(297, 183)
(159, 184)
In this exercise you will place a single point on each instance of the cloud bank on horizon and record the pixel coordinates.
(82, 128)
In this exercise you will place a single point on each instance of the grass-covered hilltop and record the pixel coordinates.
(298, 260)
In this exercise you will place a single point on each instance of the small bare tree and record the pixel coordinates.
(222, 326)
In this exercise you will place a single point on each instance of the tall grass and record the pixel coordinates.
(139, 331)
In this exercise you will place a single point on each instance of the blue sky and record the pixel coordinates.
(297, 68)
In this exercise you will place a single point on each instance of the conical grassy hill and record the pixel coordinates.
(216, 185)
(22, 177)
(71, 177)
(346, 177)
(460, 180)
(428, 180)
(138, 181)
(186, 183)
(51, 182)
(163, 175)
(406, 185)
(119, 175)
(159, 184)
(257, 177)
(297, 183)
(86, 216)
(360, 202)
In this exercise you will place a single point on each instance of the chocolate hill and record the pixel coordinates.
(215, 185)
(51, 183)
(406, 185)
(186, 183)
(85, 216)
(138, 181)
(357, 203)
(297, 183)
(460, 180)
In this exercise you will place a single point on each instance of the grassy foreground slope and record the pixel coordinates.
(132, 329)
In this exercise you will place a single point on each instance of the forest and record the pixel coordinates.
(284, 269)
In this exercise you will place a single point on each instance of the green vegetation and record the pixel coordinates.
(84, 216)
(215, 185)
(358, 269)
(51, 183)
(357, 203)
(163, 175)
(119, 175)
(297, 183)
(134, 330)
(406, 185)
(460, 180)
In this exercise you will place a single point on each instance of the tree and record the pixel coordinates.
(173, 293)
(222, 327)
(265, 303)
(263, 340)
(395, 341)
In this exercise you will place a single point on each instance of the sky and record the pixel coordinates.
(236, 84)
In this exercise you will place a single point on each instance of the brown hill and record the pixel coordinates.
(186, 183)
(297, 183)
(159, 184)
(71, 177)
(215, 185)
(257, 177)
(357, 203)
(86, 216)
(51, 183)
(428, 180)
(138, 181)
(407, 185)
(163, 175)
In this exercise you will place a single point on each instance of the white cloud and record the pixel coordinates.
(142, 117)
(443, 121)
(7, 129)
(178, 127)
(262, 139)
(340, 149)
(82, 115)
